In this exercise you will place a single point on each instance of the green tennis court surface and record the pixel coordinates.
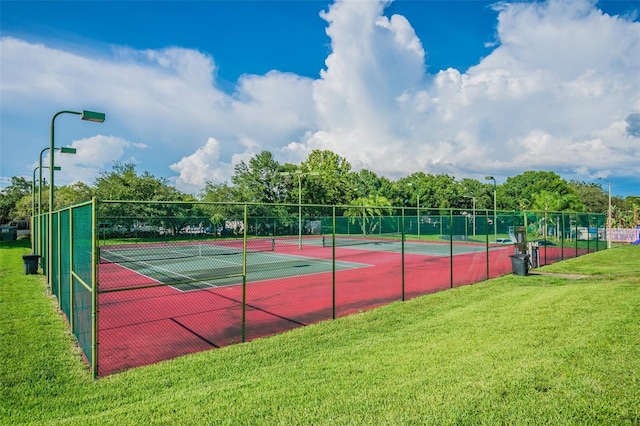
(189, 267)
(385, 243)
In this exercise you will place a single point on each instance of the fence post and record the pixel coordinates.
(486, 232)
(597, 224)
(576, 235)
(402, 251)
(451, 248)
(95, 338)
(562, 236)
(333, 262)
(244, 276)
(71, 307)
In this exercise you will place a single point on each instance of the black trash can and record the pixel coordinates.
(520, 264)
(30, 263)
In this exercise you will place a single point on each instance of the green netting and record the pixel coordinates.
(82, 246)
(55, 250)
(44, 244)
(82, 264)
(65, 263)
(82, 325)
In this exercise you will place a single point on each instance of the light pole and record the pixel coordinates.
(63, 150)
(33, 189)
(417, 206)
(495, 208)
(609, 218)
(97, 117)
(473, 199)
(36, 238)
(299, 174)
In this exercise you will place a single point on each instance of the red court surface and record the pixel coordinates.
(145, 326)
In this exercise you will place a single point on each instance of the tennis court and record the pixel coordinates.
(394, 243)
(145, 282)
(161, 300)
(184, 297)
(188, 266)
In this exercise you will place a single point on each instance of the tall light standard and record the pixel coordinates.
(417, 206)
(33, 189)
(63, 150)
(609, 217)
(473, 199)
(495, 207)
(97, 117)
(35, 246)
(299, 174)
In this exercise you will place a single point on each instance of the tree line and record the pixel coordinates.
(325, 178)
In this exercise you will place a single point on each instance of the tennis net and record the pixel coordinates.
(354, 240)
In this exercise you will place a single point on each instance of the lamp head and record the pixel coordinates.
(97, 117)
(67, 150)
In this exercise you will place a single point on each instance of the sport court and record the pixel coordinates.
(165, 299)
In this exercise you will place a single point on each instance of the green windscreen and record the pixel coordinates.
(64, 298)
(81, 262)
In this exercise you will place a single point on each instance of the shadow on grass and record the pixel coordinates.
(21, 243)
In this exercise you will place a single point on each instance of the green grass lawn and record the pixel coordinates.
(513, 350)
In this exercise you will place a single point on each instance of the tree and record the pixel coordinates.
(10, 196)
(123, 183)
(434, 191)
(592, 196)
(334, 185)
(518, 192)
(552, 202)
(74, 193)
(483, 193)
(259, 181)
(365, 209)
(367, 183)
(219, 193)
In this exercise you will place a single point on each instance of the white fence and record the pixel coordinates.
(622, 235)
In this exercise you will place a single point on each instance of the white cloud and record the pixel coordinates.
(201, 167)
(557, 92)
(93, 155)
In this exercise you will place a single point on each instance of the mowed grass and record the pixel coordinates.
(514, 350)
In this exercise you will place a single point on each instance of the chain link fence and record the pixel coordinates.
(142, 282)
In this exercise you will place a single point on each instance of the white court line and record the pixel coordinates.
(159, 269)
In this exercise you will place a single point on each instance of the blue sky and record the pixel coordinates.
(468, 88)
